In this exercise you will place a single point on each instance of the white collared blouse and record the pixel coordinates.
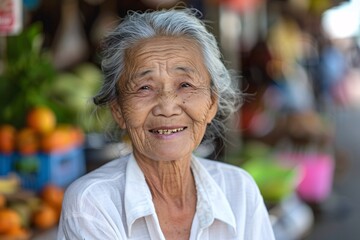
(114, 202)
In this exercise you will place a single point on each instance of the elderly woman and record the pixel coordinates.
(165, 85)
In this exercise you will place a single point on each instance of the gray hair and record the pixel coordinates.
(137, 26)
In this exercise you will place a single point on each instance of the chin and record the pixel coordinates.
(171, 156)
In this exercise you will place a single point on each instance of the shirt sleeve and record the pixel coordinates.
(82, 226)
(89, 214)
(259, 225)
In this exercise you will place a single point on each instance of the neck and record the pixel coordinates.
(169, 180)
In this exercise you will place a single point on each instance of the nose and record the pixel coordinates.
(168, 104)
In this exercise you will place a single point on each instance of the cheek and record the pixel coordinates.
(197, 107)
(133, 116)
(199, 121)
(134, 121)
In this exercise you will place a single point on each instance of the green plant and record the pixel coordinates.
(27, 75)
(30, 79)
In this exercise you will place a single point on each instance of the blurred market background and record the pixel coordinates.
(298, 63)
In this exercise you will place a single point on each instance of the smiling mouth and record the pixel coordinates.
(168, 131)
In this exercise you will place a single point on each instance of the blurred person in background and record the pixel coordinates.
(340, 58)
(168, 90)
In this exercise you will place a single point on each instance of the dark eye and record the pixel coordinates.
(185, 85)
(144, 88)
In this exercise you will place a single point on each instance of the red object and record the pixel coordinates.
(241, 5)
(10, 16)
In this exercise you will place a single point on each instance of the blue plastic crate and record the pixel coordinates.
(60, 168)
(5, 164)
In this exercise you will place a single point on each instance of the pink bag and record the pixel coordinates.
(316, 179)
(316, 184)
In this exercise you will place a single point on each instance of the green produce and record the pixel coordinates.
(27, 164)
(24, 211)
(275, 181)
(30, 79)
(73, 91)
(27, 76)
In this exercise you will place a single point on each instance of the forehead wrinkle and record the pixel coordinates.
(186, 66)
(148, 57)
(157, 51)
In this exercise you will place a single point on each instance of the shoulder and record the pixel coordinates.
(224, 170)
(100, 185)
(231, 179)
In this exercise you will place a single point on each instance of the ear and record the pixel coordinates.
(213, 108)
(117, 114)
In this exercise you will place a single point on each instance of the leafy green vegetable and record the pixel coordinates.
(30, 79)
(27, 76)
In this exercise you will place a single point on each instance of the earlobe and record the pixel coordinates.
(117, 114)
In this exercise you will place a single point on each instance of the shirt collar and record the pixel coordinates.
(212, 203)
(138, 200)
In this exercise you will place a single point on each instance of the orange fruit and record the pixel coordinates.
(58, 139)
(75, 134)
(52, 195)
(41, 119)
(9, 219)
(79, 135)
(27, 141)
(17, 233)
(45, 217)
(2, 201)
(7, 138)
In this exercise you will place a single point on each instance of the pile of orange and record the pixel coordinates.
(48, 213)
(45, 215)
(10, 223)
(41, 133)
(62, 137)
(41, 119)
(7, 138)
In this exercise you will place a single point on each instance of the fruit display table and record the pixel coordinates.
(25, 214)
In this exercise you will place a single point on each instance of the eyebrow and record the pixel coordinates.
(145, 72)
(186, 69)
(141, 74)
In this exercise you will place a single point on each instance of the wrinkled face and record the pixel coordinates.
(165, 99)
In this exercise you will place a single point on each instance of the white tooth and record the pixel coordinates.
(160, 131)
